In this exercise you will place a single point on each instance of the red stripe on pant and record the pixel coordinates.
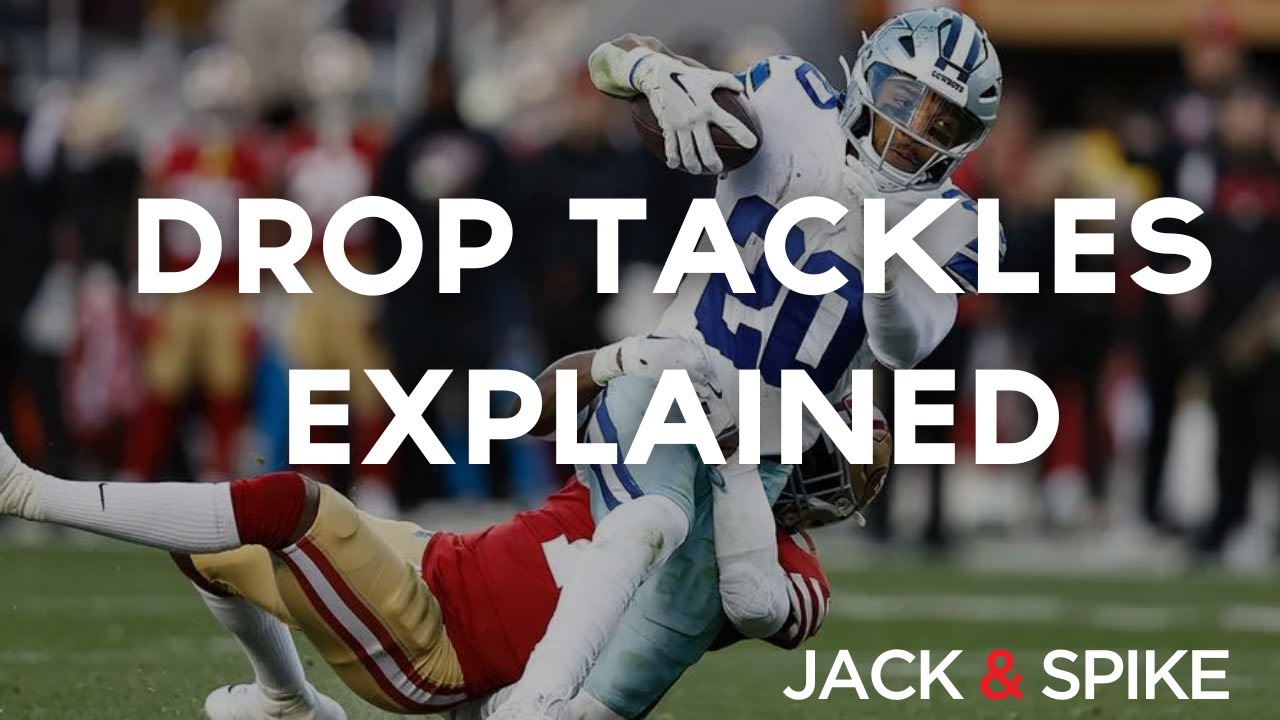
(375, 671)
(384, 637)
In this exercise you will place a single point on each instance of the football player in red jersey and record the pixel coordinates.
(331, 161)
(201, 341)
(411, 621)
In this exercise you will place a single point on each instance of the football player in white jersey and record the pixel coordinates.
(922, 94)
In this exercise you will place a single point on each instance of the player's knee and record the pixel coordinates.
(310, 508)
(652, 521)
(754, 595)
(274, 510)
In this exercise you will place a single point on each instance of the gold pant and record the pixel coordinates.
(201, 341)
(354, 587)
(332, 329)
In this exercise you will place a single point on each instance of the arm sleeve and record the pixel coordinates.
(908, 321)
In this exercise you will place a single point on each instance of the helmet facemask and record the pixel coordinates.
(906, 131)
(818, 493)
(922, 94)
(825, 489)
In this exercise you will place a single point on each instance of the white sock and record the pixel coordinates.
(189, 518)
(628, 544)
(266, 641)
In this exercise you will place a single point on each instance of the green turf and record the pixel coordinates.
(112, 632)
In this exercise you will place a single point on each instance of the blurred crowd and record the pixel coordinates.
(1122, 366)
(237, 99)
(102, 379)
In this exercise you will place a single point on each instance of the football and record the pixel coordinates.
(731, 153)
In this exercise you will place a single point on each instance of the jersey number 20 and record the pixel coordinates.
(825, 351)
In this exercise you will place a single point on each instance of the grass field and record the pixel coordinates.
(113, 632)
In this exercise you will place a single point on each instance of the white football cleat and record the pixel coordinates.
(247, 702)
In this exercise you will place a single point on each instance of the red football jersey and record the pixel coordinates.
(497, 588)
(322, 177)
(215, 175)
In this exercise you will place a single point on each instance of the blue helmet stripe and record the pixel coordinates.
(972, 59)
(953, 37)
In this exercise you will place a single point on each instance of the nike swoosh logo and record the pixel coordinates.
(102, 495)
(675, 78)
(718, 393)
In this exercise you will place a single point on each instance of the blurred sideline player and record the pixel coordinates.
(923, 93)
(331, 161)
(200, 343)
(413, 622)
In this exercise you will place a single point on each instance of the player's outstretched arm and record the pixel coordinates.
(907, 321)
(680, 94)
(646, 356)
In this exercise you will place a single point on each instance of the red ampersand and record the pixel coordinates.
(1000, 662)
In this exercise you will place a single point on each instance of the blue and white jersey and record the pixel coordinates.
(802, 153)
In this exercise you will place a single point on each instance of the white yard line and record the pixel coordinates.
(1251, 618)
(100, 605)
(1048, 610)
(160, 652)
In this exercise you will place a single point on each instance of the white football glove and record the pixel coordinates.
(680, 96)
(647, 356)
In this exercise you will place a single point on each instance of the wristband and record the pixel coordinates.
(606, 364)
(613, 69)
(633, 58)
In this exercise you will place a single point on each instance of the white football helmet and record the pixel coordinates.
(216, 79)
(922, 93)
(336, 65)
